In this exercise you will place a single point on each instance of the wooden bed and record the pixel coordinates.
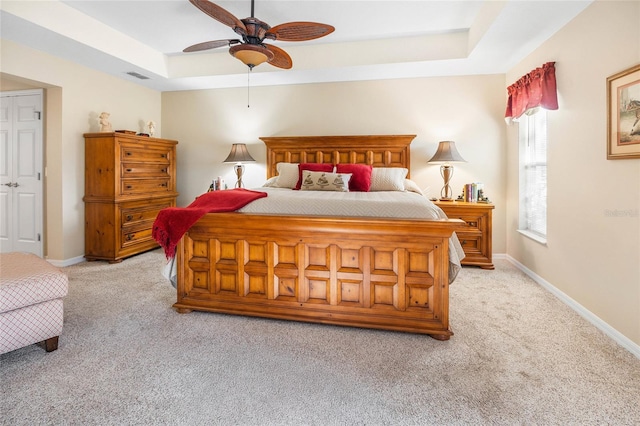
(390, 274)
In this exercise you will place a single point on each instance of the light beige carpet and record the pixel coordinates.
(518, 356)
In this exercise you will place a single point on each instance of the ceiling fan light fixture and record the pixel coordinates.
(251, 55)
(251, 50)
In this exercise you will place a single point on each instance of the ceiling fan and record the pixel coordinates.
(252, 50)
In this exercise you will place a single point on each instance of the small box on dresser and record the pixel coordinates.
(476, 238)
(128, 180)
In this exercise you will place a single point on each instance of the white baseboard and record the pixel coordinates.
(66, 262)
(614, 334)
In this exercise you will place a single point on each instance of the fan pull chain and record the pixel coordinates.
(248, 85)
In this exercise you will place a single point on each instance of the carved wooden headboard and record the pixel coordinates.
(376, 150)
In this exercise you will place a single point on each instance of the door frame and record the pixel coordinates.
(41, 214)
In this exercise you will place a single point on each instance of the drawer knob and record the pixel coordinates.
(128, 153)
(128, 187)
(130, 237)
(129, 170)
(129, 217)
(164, 185)
(164, 170)
(163, 155)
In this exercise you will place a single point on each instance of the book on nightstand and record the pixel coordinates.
(473, 193)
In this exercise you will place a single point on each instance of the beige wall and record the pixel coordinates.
(75, 95)
(468, 110)
(592, 255)
(8, 84)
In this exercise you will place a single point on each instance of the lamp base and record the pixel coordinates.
(447, 172)
(239, 169)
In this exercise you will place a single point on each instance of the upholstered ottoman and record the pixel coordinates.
(31, 292)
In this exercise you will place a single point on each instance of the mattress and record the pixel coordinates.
(387, 204)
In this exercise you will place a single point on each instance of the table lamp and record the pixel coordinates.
(238, 155)
(445, 155)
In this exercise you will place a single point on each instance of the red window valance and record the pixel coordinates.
(536, 89)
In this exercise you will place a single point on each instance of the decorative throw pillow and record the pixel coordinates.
(287, 175)
(388, 178)
(411, 186)
(360, 176)
(312, 167)
(272, 182)
(325, 181)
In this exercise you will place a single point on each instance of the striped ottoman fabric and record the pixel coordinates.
(31, 292)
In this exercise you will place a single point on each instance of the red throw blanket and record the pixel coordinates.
(172, 222)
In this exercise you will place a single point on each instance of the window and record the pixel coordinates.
(532, 129)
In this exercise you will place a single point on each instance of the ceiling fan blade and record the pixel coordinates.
(210, 45)
(220, 15)
(299, 31)
(281, 59)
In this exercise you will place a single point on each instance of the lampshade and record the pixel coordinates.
(447, 153)
(238, 154)
(251, 55)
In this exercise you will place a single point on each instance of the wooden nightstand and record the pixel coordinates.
(476, 239)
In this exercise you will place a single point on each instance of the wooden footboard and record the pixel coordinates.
(389, 274)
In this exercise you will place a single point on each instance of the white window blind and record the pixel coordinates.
(533, 173)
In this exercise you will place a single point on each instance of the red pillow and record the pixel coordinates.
(360, 176)
(312, 167)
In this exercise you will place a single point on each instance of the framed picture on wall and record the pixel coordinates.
(623, 114)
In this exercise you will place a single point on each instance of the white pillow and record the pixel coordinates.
(411, 186)
(287, 175)
(388, 178)
(325, 181)
(272, 182)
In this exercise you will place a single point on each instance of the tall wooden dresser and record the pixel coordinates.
(128, 180)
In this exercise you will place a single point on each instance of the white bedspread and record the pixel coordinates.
(388, 204)
(398, 204)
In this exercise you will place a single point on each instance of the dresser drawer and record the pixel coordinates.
(470, 243)
(473, 221)
(133, 237)
(131, 152)
(136, 222)
(145, 170)
(139, 212)
(144, 186)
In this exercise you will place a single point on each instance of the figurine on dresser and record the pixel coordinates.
(105, 124)
(151, 128)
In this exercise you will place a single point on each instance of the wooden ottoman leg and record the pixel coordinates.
(51, 344)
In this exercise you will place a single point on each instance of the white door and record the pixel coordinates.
(21, 172)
